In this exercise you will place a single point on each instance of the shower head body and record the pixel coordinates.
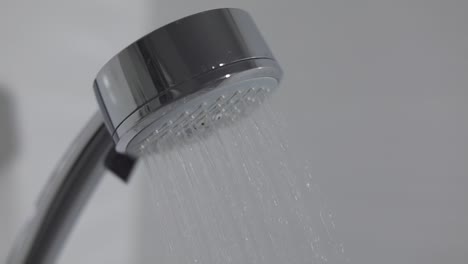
(195, 61)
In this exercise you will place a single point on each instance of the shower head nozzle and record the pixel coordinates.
(179, 76)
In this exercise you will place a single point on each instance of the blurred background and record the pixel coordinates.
(375, 97)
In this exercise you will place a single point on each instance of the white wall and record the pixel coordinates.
(49, 55)
(375, 95)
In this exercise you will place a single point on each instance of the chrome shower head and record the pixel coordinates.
(183, 76)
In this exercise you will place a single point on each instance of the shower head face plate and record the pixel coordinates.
(199, 63)
(199, 114)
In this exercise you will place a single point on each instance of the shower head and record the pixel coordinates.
(183, 76)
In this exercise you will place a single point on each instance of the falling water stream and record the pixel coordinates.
(236, 195)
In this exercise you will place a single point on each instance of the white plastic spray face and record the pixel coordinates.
(198, 115)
